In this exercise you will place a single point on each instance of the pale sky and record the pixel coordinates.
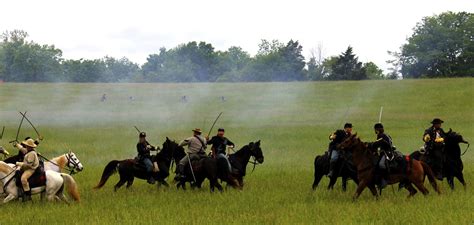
(135, 29)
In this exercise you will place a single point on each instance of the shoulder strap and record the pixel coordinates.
(203, 146)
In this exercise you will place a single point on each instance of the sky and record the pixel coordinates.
(136, 28)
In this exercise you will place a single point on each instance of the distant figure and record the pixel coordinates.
(104, 98)
(222, 98)
(184, 99)
(131, 98)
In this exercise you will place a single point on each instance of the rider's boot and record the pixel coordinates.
(151, 179)
(179, 173)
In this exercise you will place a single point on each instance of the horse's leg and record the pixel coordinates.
(120, 183)
(362, 185)
(317, 179)
(9, 198)
(411, 189)
(374, 191)
(332, 181)
(421, 187)
(450, 180)
(344, 183)
(130, 182)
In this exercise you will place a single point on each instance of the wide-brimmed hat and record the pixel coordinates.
(348, 125)
(437, 121)
(197, 130)
(30, 143)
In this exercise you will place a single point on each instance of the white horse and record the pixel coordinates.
(53, 188)
(68, 160)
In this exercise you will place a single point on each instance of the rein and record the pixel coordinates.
(68, 168)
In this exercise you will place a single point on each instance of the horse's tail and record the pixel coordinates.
(318, 171)
(72, 189)
(430, 175)
(109, 170)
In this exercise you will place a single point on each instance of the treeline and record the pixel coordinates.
(441, 46)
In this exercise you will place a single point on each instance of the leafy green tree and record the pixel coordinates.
(373, 71)
(440, 46)
(84, 70)
(347, 67)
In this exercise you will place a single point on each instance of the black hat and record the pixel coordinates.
(437, 121)
(220, 129)
(142, 134)
(348, 125)
(378, 126)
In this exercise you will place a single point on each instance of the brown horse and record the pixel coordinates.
(364, 156)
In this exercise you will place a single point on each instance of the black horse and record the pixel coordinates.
(345, 170)
(344, 167)
(129, 169)
(452, 163)
(215, 169)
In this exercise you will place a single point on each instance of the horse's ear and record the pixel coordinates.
(70, 151)
(258, 143)
(167, 139)
(450, 130)
(251, 144)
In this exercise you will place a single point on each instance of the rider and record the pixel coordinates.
(21, 154)
(333, 149)
(435, 135)
(28, 166)
(144, 156)
(387, 152)
(196, 150)
(219, 144)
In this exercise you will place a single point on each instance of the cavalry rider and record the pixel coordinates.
(28, 166)
(387, 152)
(144, 157)
(435, 135)
(196, 150)
(21, 153)
(219, 144)
(333, 147)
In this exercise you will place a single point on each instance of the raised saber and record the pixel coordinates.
(19, 127)
(34, 128)
(380, 114)
(213, 124)
(136, 128)
(3, 131)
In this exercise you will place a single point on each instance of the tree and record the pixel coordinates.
(440, 46)
(347, 67)
(316, 69)
(373, 71)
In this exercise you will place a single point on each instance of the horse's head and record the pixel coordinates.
(339, 136)
(3, 151)
(172, 149)
(73, 162)
(256, 151)
(349, 143)
(454, 137)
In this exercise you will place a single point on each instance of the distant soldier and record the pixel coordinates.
(334, 152)
(144, 156)
(219, 144)
(435, 136)
(184, 99)
(386, 151)
(196, 150)
(28, 166)
(104, 98)
(222, 98)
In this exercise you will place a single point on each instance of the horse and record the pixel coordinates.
(53, 186)
(214, 169)
(344, 167)
(364, 156)
(453, 165)
(128, 169)
(345, 170)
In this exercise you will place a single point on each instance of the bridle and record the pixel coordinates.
(71, 169)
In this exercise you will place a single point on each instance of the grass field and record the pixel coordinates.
(293, 120)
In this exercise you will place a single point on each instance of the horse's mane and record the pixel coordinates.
(4, 167)
(241, 151)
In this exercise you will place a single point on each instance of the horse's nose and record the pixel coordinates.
(80, 168)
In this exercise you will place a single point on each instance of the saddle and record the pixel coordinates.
(399, 164)
(38, 179)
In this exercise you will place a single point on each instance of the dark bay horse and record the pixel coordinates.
(364, 157)
(128, 169)
(453, 165)
(214, 169)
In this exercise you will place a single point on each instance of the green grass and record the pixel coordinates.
(293, 120)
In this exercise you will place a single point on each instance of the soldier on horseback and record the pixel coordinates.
(434, 136)
(28, 166)
(144, 157)
(196, 150)
(333, 151)
(384, 143)
(219, 144)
